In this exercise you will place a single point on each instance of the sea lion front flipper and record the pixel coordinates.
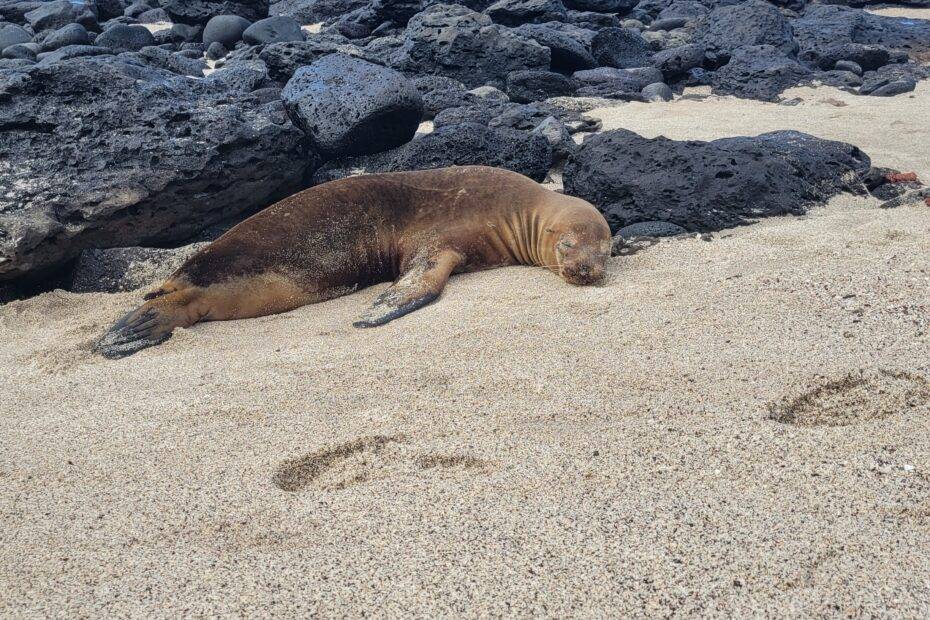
(420, 284)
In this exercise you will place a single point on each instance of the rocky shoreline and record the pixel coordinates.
(117, 134)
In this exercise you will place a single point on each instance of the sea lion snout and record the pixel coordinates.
(581, 261)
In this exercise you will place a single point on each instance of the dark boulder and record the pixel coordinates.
(349, 107)
(15, 10)
(225, 29)
(54, 15)
(176, 62)
(200, 11)
(567, 49)
(474, 113)
(829, 33)
(517, 12)
(621, 48)
(615, 83)
(25, 51)
(72, 51)
(848, 65)
(758, 72)
(441, 93)
(154, 16)
(136, 9)
(675, 62)
(283, 59)
(651, 229)
(601, 6)
(313, 11)
(755, 22)
(244, 76)
(558, 137)
(72, 34)
(657, 91)
(526, 86)
(683, 9)
(215, 51)
(710, 185)
(459, 43)
(591, 20)
(11, 34)
(278, 29)
(893, 80)
(123, 38)
(99, 152)
(456, 145)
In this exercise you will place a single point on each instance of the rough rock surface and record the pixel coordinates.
(526, 86)
(115, 270)
(456, 145)
(621, 48)
(200, 11)
(758, 72)
(98, 152)
(705, 186)
(454, 41)
(750, 23)
(349, 107)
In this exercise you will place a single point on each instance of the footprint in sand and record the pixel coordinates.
(365, 459)
(857, 397)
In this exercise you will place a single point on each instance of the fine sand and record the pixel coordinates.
(738, 426)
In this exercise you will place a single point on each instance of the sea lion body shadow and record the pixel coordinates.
(413, 228)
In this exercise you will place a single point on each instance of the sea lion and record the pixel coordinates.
(415, 228)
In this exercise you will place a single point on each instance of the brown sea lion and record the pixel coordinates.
(415, 228)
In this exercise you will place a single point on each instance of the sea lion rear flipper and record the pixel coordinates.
(148, 325)
(420, 284)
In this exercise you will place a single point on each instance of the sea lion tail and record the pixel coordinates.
(148, 325)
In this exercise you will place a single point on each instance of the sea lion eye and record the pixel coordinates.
(566, 244)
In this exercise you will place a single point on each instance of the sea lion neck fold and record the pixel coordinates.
(415, 228)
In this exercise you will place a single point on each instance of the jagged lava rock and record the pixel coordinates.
(754, 22)
(758, 72)
(100, 152)
(621, 48)
(710, 185)
(457, 42)
(200, 11)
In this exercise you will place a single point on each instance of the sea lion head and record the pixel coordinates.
(582, 248)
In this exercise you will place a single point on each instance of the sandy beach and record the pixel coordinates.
(739, 426)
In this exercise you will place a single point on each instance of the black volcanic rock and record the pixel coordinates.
(526, 86)
(517, 12)
(123, 38)
(349, 107)
(277, 29)
(225, 29)
(755, 22)
(455, 145)
(454, 41)
(567, 48)
(200, 11)
(758, 72)
(621, 48)
(101, 152)
(710, 185)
